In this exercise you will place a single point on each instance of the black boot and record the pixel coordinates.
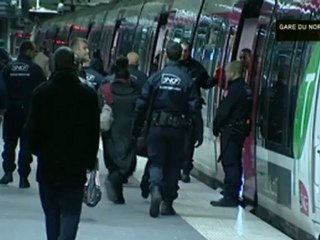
(114, 188)
(226, 202)
(185, 178)
(7, 178)
(120, 198)
(144, 186)
(167, 209)
(24, 183)
(156, 199)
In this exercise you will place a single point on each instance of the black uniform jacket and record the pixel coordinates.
(138, 77)
(21, 78)
(199, 74)
(175, 93)
(235, 107)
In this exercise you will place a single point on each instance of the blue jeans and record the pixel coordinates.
(62, 208)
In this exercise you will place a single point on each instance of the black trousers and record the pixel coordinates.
(231, 157)
(14, 131)
(166, 148)
(62, 208)
(187, 165)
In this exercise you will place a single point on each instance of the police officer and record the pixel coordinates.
(202, 80)
(233, 123)
(21, 77)
(172, 98)
(138, 77)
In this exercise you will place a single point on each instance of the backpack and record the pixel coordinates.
(106, 116)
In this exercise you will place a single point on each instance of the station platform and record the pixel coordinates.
(21, 216)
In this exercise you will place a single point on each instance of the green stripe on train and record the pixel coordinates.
(304, 103)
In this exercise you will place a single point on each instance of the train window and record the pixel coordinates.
(143, 39)
(208, 46)
(283, 64)
(126, 36)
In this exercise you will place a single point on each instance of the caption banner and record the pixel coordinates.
(298, 30)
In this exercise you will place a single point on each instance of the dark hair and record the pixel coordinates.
(65, 59)
(174, 51)
(246, 50)
(122, 73)
(25, 46)
(122, 62)
(121, 68)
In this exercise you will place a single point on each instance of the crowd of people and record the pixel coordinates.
(52, 106)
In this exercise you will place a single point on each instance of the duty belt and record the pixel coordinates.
(163, 119)
(238, 123)
(242, 127)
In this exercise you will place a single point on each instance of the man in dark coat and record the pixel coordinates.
(118, 144)
(202, 81)
(64, 130)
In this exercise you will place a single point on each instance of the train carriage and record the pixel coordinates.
(281, 155)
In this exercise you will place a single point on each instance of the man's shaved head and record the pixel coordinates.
(133, 58)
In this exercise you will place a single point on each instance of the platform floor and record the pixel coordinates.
(22, 218)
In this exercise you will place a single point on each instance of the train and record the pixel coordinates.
(281, 157)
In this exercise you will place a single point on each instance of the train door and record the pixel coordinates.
(165, 24)
(316, 147)
(248, 34)
(212, 47)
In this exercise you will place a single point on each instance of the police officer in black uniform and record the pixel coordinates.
(172, 98)
(21, 77)
(202, 80)
(233, 123)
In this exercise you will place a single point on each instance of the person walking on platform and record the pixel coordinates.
(171, 98)
(233, 124)
(119, 146)
(21, 78)
(138, 77)
(202, 80)
(64, 129)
